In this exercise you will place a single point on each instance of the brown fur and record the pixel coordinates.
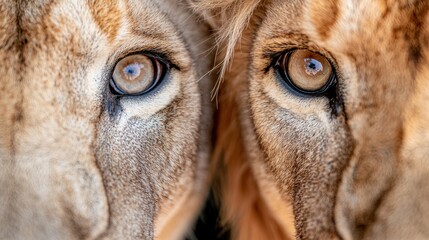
(351, 168)
(80, 163)
(107, 16)
(325, 14)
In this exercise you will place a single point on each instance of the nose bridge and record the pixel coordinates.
(377, 126)
(385, 96)
(383, 100)
(9, 78)
(9, 114)
(403, 209)
(51, 185)
(387, 51)
(54, 187)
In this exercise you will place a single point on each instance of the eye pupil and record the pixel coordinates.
(133, 70)
(312, 66)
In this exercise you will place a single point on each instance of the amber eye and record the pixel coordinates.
(307, 72)
(136, 74)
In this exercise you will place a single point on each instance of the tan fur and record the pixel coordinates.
(324, 15)
(107, 16)
(78, 163)
(352, 168)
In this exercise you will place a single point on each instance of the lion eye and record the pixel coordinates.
(307, 72)
(136, 74)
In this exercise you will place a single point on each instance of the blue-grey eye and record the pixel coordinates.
(307, 71)
(136, 74)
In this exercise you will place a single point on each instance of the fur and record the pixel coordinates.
(350, 167)
(78, 164)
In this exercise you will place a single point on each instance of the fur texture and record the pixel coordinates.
(352, 166)
(77, 163)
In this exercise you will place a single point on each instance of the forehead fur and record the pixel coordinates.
(230, 18)
(401, 21)
(107, 16)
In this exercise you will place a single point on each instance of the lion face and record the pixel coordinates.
(332, 98)
(349, 147)
(105, 119)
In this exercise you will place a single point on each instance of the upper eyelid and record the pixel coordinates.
(271, 54)
(161, 56)
(167, 57)
(288, 40)
(285, 41)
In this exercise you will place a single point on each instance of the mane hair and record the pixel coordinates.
(229, 18)
(242, 206)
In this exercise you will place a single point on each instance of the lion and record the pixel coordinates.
(323, 117)
(106, 118)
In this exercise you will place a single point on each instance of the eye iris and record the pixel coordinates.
(306, 70)
(136, 74)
